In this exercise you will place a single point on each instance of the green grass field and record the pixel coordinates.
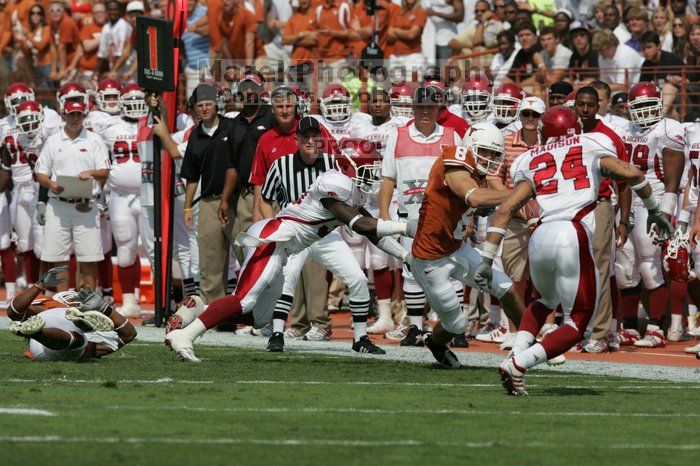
(141, 406)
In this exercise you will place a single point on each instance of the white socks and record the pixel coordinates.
(195, 329)
(523, 340)
(360, 329)
(415, 320)
(531, 357)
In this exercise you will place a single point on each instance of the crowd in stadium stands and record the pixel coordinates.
(538, 49)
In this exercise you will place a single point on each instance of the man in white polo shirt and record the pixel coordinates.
(72, 224)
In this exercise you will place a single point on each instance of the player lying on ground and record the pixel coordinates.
(335, 198)
(564, 175)
(453, 193)
(70, 325)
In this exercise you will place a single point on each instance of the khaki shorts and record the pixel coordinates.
(515, 245)
(68, 230)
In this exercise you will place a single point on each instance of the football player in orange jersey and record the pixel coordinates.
(453, 193)
(69, 325)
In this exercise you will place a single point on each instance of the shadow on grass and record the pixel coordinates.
(568, 391)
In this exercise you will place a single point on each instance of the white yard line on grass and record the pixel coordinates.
(398, 411)
(165, 380)
(336, 443)
(26, 412)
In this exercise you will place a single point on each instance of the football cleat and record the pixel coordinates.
(508, 341)
(556, 360)
(365, 345)
(613, 342)
(497, 335)
(181, 344)
(398, 334)
(414, 337)
(293, 334)
(678, 335)
(442, 354)
(594, 346)
(265, 331)
(89, 321)
(29, 327)
(318, 334)
(276, 343)
(692, 349)
(381, 326)
(460, 341)
(654, 338)
(628, 337)
(513, 377)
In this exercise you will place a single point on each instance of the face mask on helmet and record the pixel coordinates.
(108, 101)
(677, 259)
(336, 110)
(30, 122)
(134, 105)
(365, 173)
(402, 107)
(505, 109)
(476, 105)
(67, 298)
(488, 160)
(646, 112)
(13, 102)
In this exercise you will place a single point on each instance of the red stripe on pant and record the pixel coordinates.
(566, 336)
(229, 309)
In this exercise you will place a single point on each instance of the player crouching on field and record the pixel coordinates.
(564, 175)
(70, 325)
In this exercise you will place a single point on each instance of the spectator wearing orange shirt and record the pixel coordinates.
(300, 32)
(6, 10)
(405, 30)
(90, 39)
(35, 42)
(333, 22)
(237, 27)
(66, 39)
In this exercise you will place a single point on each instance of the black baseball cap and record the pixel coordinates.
(620, 97)
(561, 88)
(307, 124)
(426, 95)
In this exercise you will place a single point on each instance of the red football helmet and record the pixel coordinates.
(335, 103)
(265, 96)
(401, 100)
(15, 94)
(570, 100)
(107, 96)
(71, 91)
(29, 117)
(132, 101)
(361, 162)
(645, 104)
(476, 97)
(559, 122)
(677, 260)
(506, 102)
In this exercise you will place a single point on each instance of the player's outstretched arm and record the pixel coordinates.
(657, 224)
(495, 233)
(21, 306)
(463, 185)
(365, 224)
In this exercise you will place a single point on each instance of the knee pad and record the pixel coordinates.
(625, 275)
(651, 274)
(357, 287)
(121, 231)
(125, 256)
(454, 321)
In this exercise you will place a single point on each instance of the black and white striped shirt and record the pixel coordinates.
(289, 177)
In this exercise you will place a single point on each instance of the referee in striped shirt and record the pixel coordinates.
(287, 179)
(291, 175)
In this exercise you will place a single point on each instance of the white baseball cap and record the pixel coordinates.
(533, 103)
(135, 6)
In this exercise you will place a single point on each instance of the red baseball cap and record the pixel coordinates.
(74, 106)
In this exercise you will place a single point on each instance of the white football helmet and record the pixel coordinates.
(483, 137)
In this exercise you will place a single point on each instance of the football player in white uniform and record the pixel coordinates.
(376, 131)
(655, 146)
(336, 115)
(21, 146)
(564, 175)
(68, 326)
(475, 101)
(108, 108)
(124, 186)
(505, 104)
(334, 199)
(401, 100)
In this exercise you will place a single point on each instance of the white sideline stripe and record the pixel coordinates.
(399, 411)
(333, 443)
(167, 380)
(26, 412)
(164, 380)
